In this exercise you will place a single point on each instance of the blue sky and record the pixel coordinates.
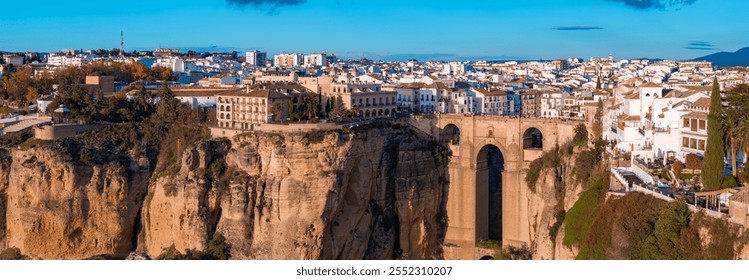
(442, 29)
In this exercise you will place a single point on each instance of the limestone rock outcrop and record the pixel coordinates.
(556, 190)
(61, 208)
(368, 193)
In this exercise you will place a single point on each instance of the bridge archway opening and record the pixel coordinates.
(533, 139)
(486, 258)
(489, 167)
(450, 134)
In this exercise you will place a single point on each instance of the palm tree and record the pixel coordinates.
(737, 123)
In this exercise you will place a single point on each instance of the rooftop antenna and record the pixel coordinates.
(122, 44)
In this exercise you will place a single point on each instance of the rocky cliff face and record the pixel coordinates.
(370, 193)
(59, 208)
(555, 191)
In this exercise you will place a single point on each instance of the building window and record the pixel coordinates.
(703, 124)
(701, 145)
(693, 143)
(685, 142)
(686, 123)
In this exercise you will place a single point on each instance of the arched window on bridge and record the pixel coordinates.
(533, 139)
(450, 134)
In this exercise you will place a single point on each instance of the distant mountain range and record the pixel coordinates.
(728, 59)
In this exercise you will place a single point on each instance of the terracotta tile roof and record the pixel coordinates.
(696, 115)
(205, 91)
(680, 94)
(703, 102)
(633, 95)
(411, 85)
(630, 118)
(650, 85)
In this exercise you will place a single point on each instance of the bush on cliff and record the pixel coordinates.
(10, 254)
(639, 226)
(581, 135)
(548, 160)
(578, 219)
(217, 250)
(586, 163)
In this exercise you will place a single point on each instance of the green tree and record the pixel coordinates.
(737, 122)
(18, 85)
(53, 105)
(712, 169)
(312, 106)
(693, 161)
(277, 110)
(165, 92)
(162, 73)
(678, 167)
(327, 107)
(292, 111)
(141, 72)
(664, 242)
(581, 135)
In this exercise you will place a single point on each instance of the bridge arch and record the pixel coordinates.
(489, 168)
(533, 138)
(450, 134)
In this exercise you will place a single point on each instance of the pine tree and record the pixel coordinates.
(712, 168)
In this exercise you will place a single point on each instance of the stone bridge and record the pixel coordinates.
(488, 196)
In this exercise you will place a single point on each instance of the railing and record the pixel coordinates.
(642, 172)
(638, 188)
(619, 177)
(658, 195)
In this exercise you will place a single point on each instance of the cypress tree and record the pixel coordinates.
(712, 169)
(292, 104)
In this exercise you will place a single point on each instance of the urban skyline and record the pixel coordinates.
(438, 30)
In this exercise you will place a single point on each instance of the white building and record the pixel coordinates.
(63, 60)
(316, 59)
(256, 58)
(551, 103)
(13, 59)
(454, 68)
(288, 59)
(175, 63)
(489, 102)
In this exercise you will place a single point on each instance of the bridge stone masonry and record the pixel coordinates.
(490, 156)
